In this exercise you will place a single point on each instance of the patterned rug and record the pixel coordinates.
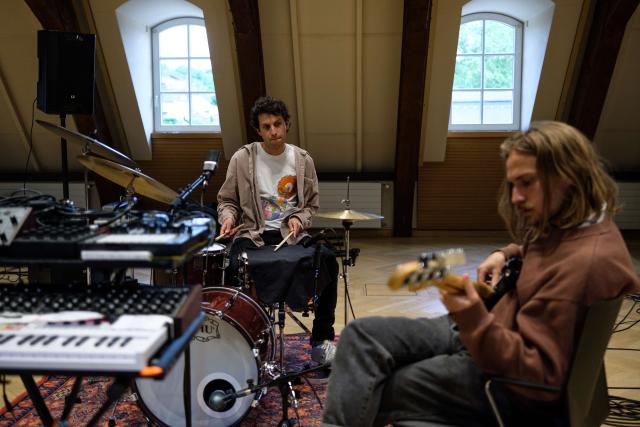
(127, 412)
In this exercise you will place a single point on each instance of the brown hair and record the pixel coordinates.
(560, 150)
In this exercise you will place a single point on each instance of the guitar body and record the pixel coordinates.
(508, 278)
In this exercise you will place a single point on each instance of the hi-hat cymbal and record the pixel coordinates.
(126, 177)
(348, 215)
(94, 145)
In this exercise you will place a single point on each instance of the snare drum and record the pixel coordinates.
(227, 352)
(206, 268)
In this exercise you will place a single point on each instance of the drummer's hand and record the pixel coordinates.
(295, 225)
(227, 227)
(491, 268)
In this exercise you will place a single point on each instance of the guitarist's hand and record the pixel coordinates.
(491, 268)
(457, 301)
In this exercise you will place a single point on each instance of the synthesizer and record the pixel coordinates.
(80, 328)
(94, 245)
(125, 345)
(182, 305)
(142, 244)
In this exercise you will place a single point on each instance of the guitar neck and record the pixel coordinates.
(410, 274)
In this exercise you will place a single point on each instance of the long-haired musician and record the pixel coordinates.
(558, 202)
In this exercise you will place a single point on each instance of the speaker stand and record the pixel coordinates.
(65, 166)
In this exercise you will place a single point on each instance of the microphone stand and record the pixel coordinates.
(316, 275)
(283, 382)
(65, 166)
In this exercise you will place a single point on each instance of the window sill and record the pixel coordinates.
(479, 134)
(183, 135)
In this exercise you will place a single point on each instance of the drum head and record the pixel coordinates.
(221, 359)
(213, 249)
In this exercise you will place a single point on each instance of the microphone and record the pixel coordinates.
(318, 236)
(210, 165)
(219, 399)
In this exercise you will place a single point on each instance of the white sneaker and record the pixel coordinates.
(323, 352)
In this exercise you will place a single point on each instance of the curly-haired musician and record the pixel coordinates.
(271, 187)
(558, 203)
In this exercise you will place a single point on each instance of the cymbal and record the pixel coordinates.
(348, 215)
(129, 178)
(94, 145)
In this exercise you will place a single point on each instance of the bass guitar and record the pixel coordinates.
(434, 270)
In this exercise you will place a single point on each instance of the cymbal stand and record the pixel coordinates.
(346, 263)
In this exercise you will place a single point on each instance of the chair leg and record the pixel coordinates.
(492, 402)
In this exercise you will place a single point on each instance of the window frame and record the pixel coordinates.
(517, 77)
(155, 52)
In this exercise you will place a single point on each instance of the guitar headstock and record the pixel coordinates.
(434, 270)
(417, 274)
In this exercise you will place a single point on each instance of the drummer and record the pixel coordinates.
(271, 188)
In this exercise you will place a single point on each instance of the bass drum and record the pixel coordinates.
(226, 354)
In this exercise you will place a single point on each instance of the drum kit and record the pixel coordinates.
(231, 360)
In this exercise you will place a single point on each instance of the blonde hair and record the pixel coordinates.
(560, 150)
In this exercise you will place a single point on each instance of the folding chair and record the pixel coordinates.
(584, 395)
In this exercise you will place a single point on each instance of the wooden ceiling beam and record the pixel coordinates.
(413, 70)
(22, 133)
(605, 34)
(246, 28)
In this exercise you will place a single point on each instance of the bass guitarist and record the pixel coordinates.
(558, 202)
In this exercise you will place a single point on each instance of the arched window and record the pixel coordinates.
(184, 95)
(486, 85)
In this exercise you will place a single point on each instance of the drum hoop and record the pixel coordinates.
(241, 329)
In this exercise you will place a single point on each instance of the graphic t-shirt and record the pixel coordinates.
(277, 185)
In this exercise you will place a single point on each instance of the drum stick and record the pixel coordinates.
(283, 241)
(233, 230)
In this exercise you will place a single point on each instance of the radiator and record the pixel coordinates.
(628, 218)
(364, 197)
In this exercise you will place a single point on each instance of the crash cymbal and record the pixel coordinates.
(348, 215)
(126, 177)
(93, 145)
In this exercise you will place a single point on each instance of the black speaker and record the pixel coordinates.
(66, 72)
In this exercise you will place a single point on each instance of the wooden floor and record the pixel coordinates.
(371, 297)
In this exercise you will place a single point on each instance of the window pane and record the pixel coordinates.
(201, 76)
(174, 108)
(498, 72)
(172, 42)
(468, 72)
(499, 37)
(173, 75)
(465, 107)
(497, 107)
(199, 46)
(470, 37)
(204, 109)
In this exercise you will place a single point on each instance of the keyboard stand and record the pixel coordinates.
(164, 361)
(37, 400)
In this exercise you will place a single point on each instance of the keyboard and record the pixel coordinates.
(123, 346)
(111, 301)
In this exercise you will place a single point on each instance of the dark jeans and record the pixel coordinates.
(324, 315)
(390, 369)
